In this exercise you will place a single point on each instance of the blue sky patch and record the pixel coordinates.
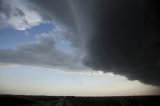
(10, 37)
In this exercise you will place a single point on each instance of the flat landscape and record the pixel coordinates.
(20, 100)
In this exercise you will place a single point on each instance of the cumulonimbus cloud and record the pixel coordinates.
(119, 36)
(126, 40)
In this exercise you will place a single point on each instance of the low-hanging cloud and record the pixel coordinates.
(121, 36)
(126, 40)
(117, 36)
(42, 52)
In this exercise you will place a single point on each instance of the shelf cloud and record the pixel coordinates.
(113, 36)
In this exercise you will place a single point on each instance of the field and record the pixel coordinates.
(20, 100)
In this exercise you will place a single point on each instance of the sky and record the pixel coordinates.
(79, 47)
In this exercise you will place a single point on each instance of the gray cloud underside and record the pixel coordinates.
(41, 53)
(126, 40)
(71, 14)
(119, 36)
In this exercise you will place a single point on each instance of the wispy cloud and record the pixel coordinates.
(17, 14)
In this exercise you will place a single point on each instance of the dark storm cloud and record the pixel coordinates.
(126, 40)
(120, 36)
(58, 10)
(74, 15)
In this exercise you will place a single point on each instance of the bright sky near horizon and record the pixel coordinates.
(21, 79)
(39, 57)
(29, 80)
